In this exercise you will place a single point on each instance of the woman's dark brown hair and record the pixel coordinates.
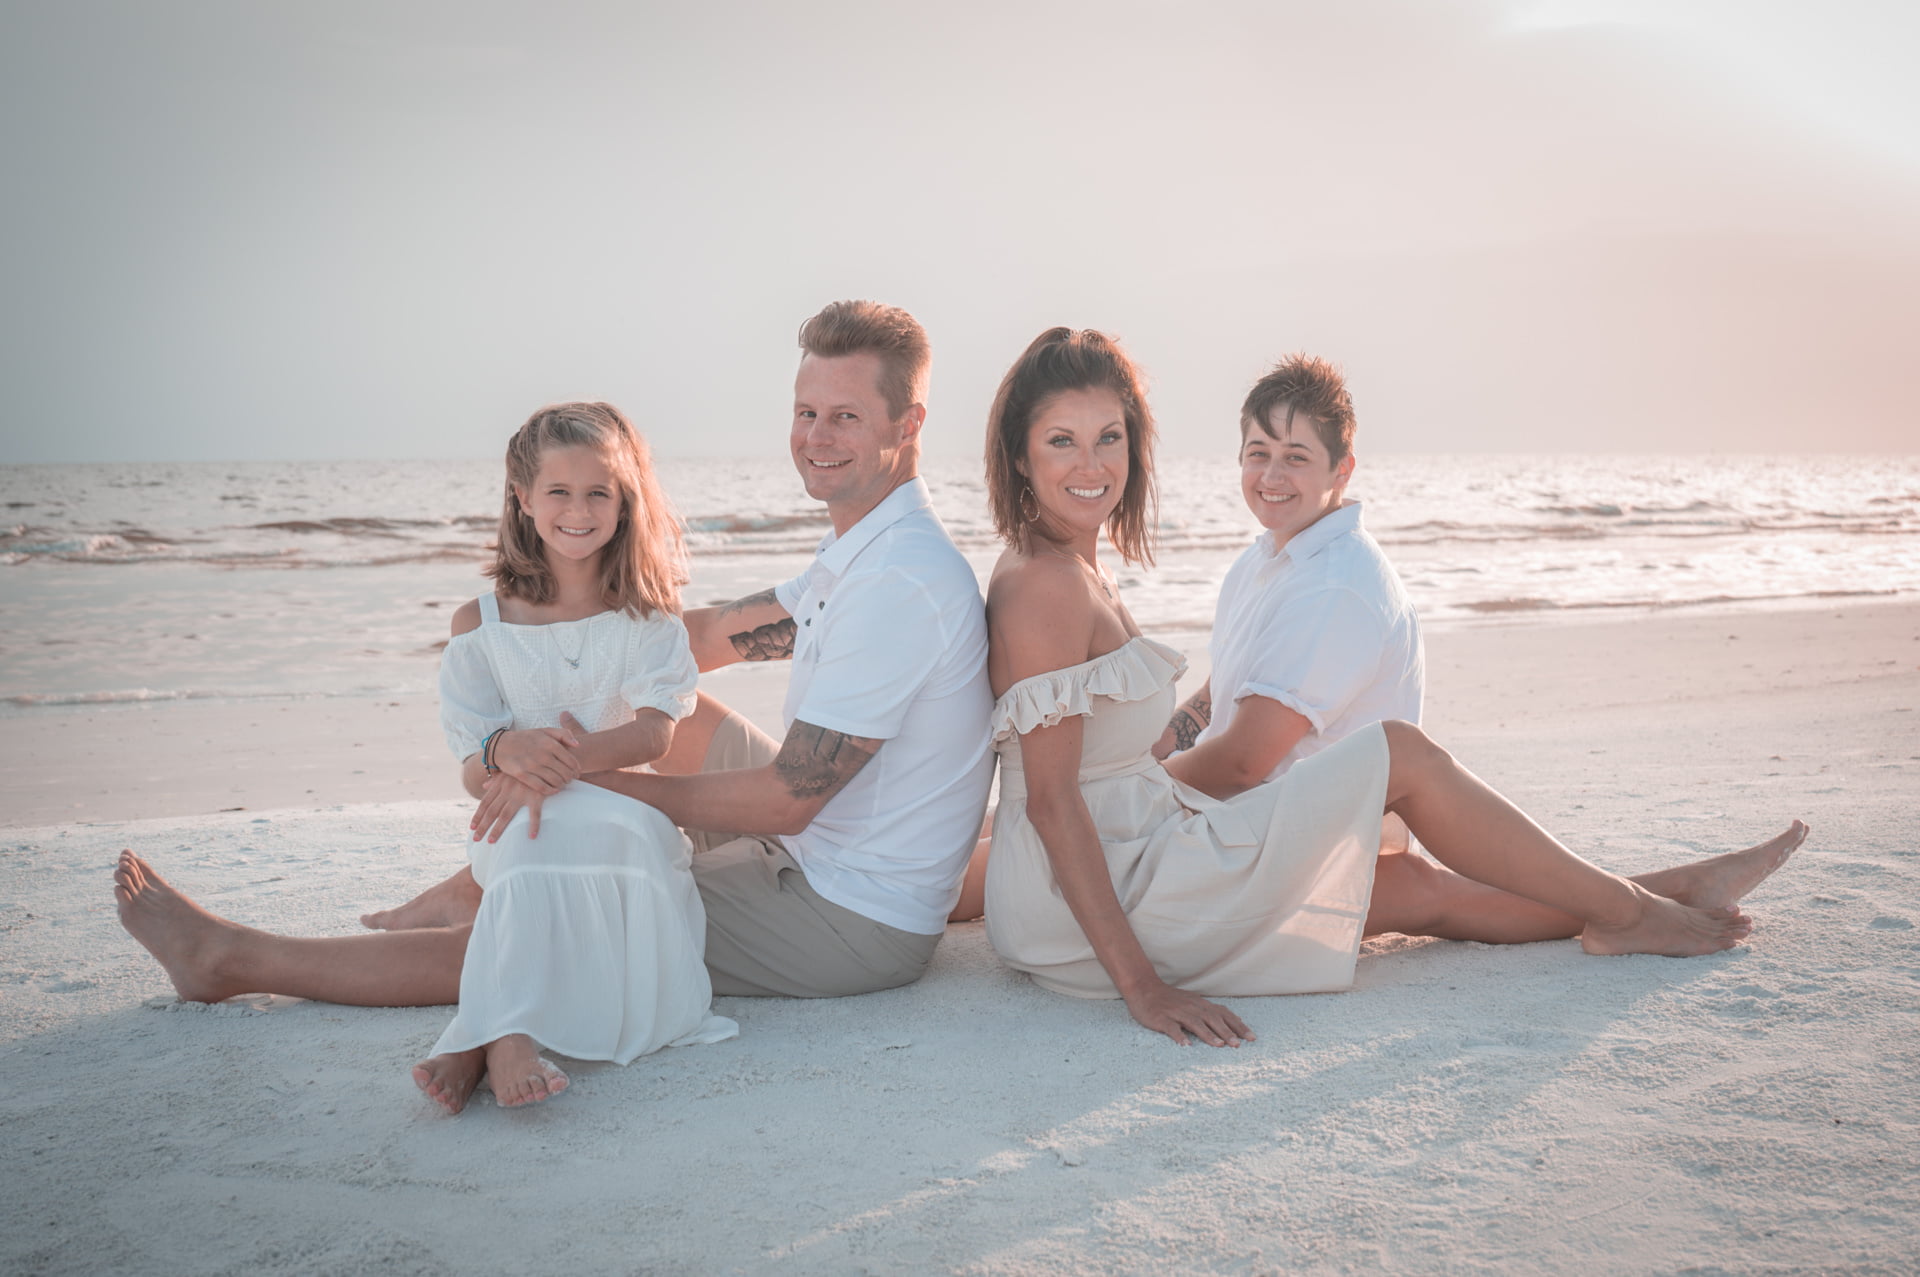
(1059, 360)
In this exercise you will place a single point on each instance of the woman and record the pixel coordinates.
(1110, 878)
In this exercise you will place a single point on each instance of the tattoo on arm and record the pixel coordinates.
(815, 762)
(764, 598)
(1190, 720)
(771, 642)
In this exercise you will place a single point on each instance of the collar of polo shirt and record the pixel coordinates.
(1309, 541)
(837, 553)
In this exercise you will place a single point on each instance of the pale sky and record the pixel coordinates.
(241, 230)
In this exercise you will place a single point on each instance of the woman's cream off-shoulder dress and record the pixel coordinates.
(1265, 892)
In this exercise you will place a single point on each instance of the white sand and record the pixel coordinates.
(1465, 1108)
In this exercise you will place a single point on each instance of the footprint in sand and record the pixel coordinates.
(1888, 922)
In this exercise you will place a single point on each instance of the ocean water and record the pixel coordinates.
(128, 583)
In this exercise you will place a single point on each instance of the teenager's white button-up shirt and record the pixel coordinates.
(890, 642)
(1321, 625)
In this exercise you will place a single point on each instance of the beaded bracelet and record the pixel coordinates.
(486, 752)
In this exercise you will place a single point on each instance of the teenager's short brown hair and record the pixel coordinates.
(1306, 386)
(847, 328)
(644, 565)
(1061, 359)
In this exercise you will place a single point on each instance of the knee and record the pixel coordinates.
(1407, 745)
(1408, 872)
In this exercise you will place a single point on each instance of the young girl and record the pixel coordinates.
(590, 934)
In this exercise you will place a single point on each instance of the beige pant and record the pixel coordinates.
(769, 933)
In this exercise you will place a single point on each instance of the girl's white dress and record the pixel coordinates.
(590, 938)
(1264, 892)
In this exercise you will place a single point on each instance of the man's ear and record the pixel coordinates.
(1344, 471)
(910, 422)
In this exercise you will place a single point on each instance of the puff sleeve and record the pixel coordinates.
(660, 670)
(471, 707)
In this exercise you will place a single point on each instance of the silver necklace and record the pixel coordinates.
(573, 662)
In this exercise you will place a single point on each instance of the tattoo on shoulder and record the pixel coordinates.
(1189, 721)
(815, 762)
(771, 642)
(764, 598)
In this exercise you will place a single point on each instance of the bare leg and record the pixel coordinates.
(209, 958)
(448, 1080)
(452, 902)
(518, 1074)
(1415, 897)
(1473, 830)
(1720, 881)
(973, 888)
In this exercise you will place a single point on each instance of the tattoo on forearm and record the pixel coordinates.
(1189, 721)
(771, 642)
(764, 598)
(815, 762)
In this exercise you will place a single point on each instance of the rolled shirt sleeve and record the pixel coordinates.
(471, 707)
(660, 670)
(1317, 655)
(787, 593)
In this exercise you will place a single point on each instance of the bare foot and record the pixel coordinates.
(451, 903)
(188, 941)
(517, 1073)
(1669, 928)
(1725, 880)
(449, 1079)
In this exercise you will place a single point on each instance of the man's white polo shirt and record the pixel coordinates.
(890, 642)
(1322, 626)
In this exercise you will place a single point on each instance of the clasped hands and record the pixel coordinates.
(534, 763)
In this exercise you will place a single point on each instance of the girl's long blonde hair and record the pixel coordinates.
(644, 565)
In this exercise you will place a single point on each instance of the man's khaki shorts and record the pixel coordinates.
(769, 933)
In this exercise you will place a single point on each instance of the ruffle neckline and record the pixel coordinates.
(1135, 670)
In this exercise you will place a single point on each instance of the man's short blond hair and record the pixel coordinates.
(847, 328)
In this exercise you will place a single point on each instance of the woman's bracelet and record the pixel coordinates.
(486, 752)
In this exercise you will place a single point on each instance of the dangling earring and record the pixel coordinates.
(1026, 495)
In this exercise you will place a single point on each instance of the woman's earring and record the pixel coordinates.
(1026, 495)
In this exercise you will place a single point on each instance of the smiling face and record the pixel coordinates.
(850, 453)
(1076, 461)
(1287, 477)
(574, 502)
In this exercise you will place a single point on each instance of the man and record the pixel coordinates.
(856, 832)
(848, 842)
(1313, 636)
